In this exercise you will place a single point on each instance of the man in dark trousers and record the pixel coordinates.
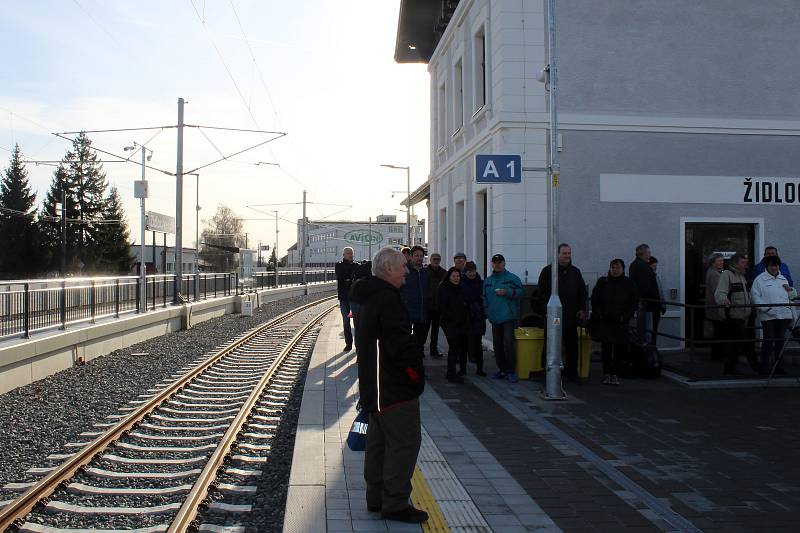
(573, 295)
(390, 379)
(416, 294)
(646, 283)
(435, 275)
(344, 277)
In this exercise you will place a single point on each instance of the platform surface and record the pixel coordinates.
(650, 455)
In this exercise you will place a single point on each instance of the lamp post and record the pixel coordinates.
(553, 390)
(408, 198)
(140, 191)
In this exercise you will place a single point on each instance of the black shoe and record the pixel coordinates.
(455, 379)
(436, 355)
(732, 372)
(409, 515)
(779, 371)
(374, 508)
(480, 373)
(462, 372)
(348, 347)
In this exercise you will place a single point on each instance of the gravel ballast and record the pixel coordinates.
(38, 419)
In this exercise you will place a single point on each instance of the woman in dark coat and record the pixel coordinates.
(614, 302)
(455, 323)
(473, 294)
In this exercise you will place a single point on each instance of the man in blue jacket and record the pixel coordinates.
(416, 296)
(762, 266)
(502, 291)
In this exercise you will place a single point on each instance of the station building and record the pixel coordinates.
(679, 127)
(327, 238)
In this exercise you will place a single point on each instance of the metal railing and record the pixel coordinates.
(694, 339)
(27, 306)
(268, 280)
(33, 305)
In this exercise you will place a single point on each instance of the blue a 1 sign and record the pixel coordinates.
(498, 168)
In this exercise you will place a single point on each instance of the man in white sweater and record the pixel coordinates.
(772, 287)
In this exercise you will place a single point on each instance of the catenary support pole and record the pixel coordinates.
(197, 223)
(305, 242)
(276, 248)
(553, 389)
(408, 204)
(179, 207)
(143, 263)
(63, 233)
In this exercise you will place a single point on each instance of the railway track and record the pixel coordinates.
(185, 455)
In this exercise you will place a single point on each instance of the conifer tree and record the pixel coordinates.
(114, 238)
(19, 255)
(80, 176)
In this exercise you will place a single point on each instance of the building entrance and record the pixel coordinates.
(702, 240)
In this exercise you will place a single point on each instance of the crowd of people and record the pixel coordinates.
(399, 305)
(736, 290)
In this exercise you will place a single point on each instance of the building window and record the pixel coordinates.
(458, 95)
(441, 108)
(479, 55)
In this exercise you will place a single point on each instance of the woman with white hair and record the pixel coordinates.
(716, 315)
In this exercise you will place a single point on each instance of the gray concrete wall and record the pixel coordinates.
(23, 361)
(599, 231)
(713, 58)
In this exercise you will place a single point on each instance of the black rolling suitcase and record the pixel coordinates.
(644, 357)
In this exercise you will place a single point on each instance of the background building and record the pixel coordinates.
(164, 262)
(327, 238)
(679, 127)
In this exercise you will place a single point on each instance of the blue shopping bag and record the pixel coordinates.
(357, 438)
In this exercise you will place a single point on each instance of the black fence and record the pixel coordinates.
(27, 306)
(285, 278)
(695, 315)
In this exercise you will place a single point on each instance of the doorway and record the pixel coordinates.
(701, 239)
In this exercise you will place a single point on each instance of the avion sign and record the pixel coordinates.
(363, 237)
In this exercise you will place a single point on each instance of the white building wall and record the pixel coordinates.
(512, 121)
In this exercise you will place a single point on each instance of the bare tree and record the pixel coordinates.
(220, 240)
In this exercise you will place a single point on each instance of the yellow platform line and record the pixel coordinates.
(423, 499)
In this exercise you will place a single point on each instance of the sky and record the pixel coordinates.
(322, 71)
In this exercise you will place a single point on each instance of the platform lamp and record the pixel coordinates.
(140, 191)
(408, 199)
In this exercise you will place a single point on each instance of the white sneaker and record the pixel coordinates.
(614, 380)
(607, 379)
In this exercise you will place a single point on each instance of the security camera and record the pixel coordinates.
(128, 148)
(149, 157)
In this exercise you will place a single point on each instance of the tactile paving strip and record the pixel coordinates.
(436, 486)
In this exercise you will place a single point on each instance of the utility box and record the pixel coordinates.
(140, 189)
(247, 308)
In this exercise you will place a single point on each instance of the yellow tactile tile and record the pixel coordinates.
(423, 499)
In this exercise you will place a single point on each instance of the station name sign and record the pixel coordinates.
(741, 190)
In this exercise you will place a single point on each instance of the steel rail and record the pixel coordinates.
(184, 520)
(43, 489)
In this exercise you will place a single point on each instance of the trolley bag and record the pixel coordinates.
(646, 360)
(357, 438)
(644, 357)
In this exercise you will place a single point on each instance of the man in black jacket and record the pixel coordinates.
(573, 295)
(390, 379)
(344, 277)
(436, 275)
(646, 283)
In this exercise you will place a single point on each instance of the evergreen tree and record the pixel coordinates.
(81, 177)
(61, 188)
(114, 238)
(19, 256)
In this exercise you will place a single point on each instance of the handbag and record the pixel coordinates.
(357, 438)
